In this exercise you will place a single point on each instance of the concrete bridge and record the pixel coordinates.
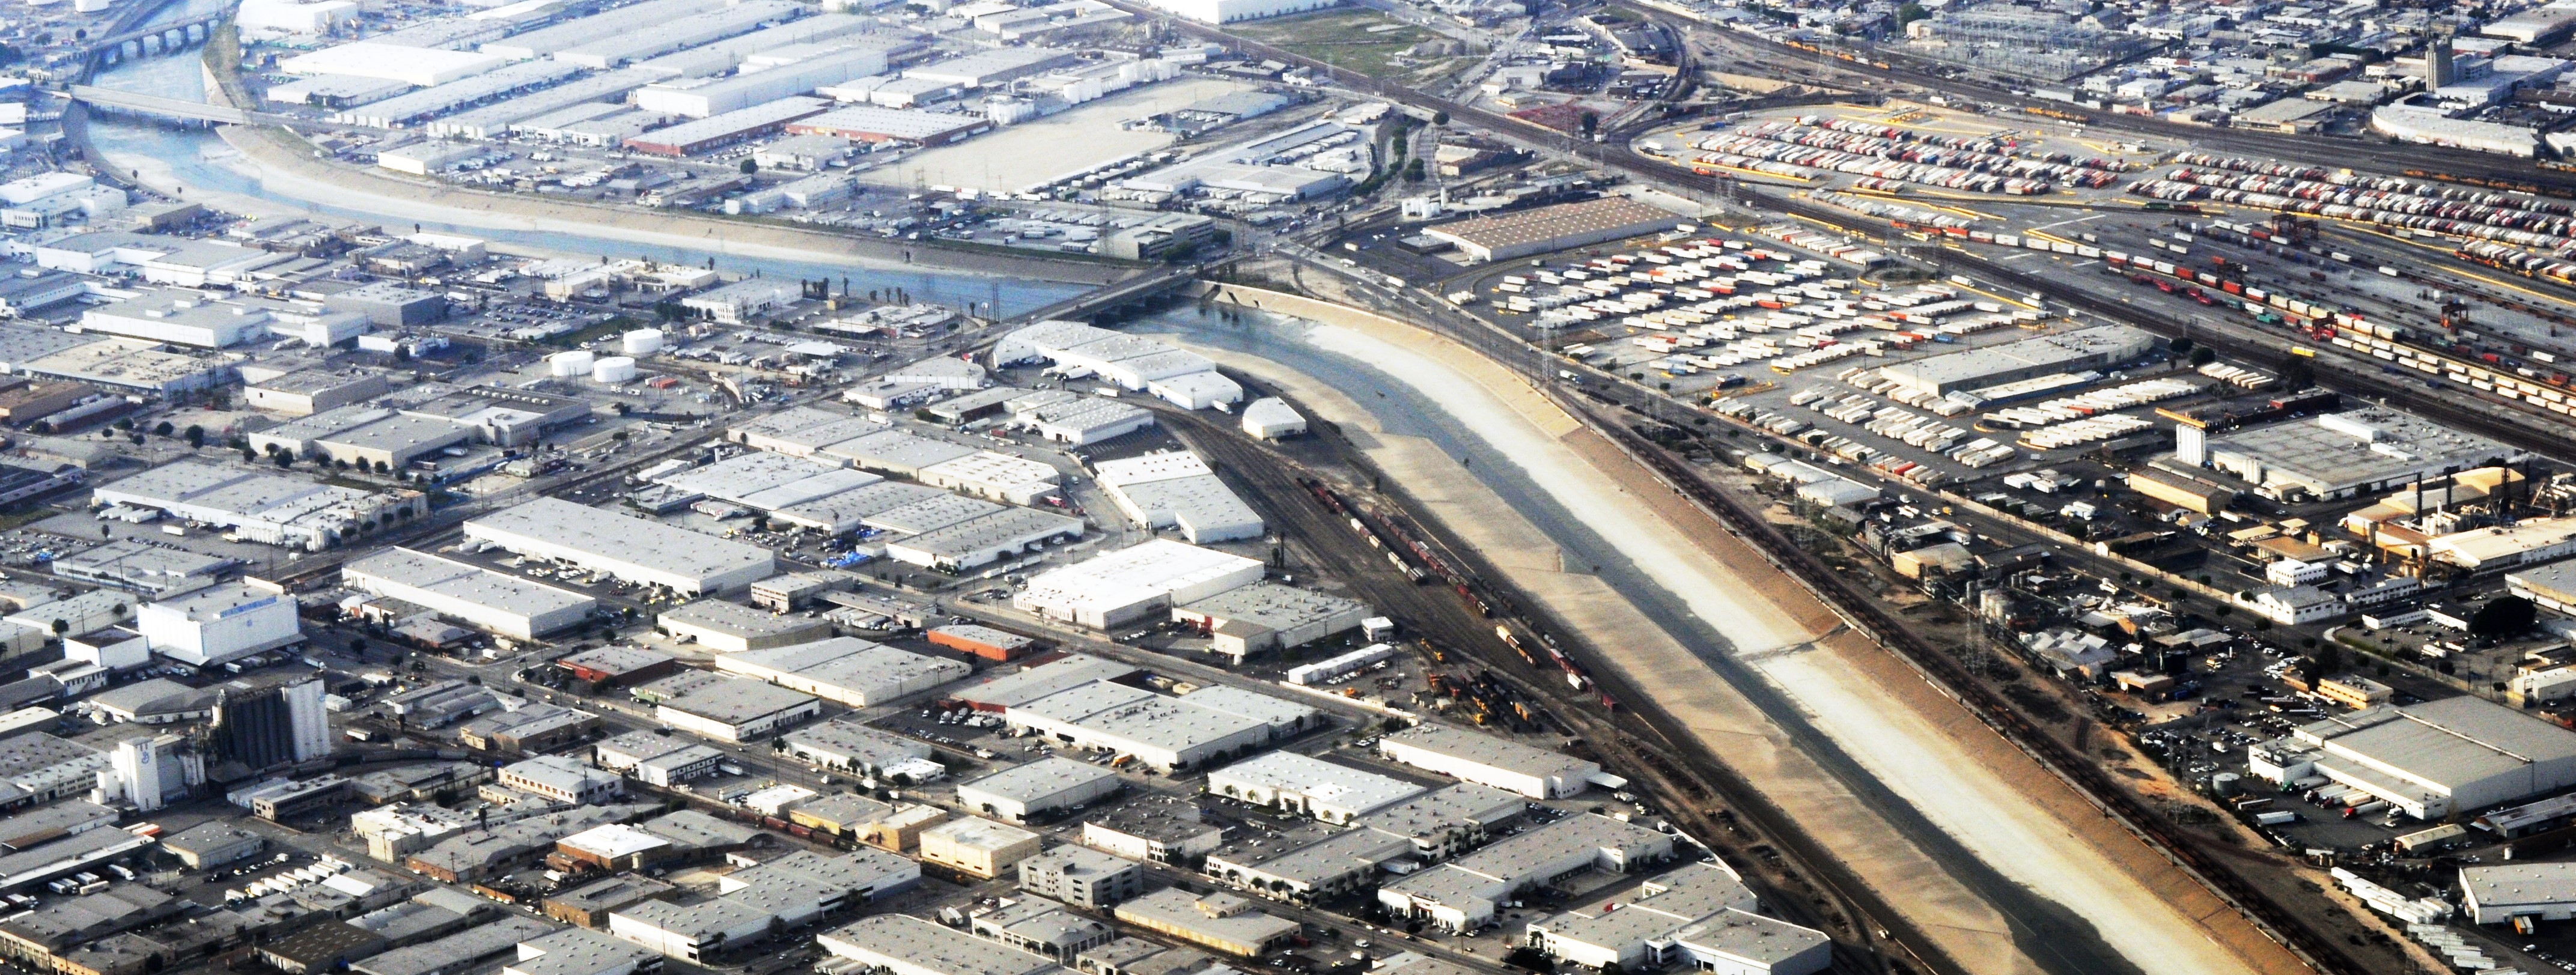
(153, 41)
(158, 108)
(1085, 305)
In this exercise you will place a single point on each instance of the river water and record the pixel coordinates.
(201, 160)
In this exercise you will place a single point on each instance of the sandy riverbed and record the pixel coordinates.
(2000, 806)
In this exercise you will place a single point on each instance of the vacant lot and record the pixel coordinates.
(1365, 41)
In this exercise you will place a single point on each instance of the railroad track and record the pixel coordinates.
(2319, 948)
(1697, 788)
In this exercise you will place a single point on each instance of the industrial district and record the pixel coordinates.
(1287, 487)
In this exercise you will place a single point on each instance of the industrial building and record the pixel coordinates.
(1498, 762)
(1116, 589)
(1079, 421)
(1082, 877)
(1462, 894)
(1550, 228)
(1266, 616)
(1039, 788)
(272, 509)
(847, 670)
(1055, 673)
(870, 123)
(727, 627)
(143, 568)
(980, 540)
(220, 624)
(1178, 490)
(305, 392)
(726, 128)
(2428, 760)
(658, 759)
(729, 708)
(1156, 829)
(901, 944)
(479, 597)
(1133, 362)
(617, 666)
(1309, 786)
(1229, 11)
(1218, 921)
(977, 847)
(2099, 347)
(2501, 892)
(1167, 733)
(785, 891)
(632, 549)
(850, 746)
(1701, 914)
(562, 779)
(2340, 455)
(999, 646)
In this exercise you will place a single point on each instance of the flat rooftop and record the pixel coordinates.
(606, 535)
(467, 583)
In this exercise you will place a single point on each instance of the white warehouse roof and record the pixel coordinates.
(630, 548)
(1111, 588)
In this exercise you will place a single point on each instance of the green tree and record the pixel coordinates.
(161, 429)
(1591, 123)
(2203, 356)
(1413, 170)
(1910, 13)
(2182, 346)
(2503, 616)
(196, 436)
(749, 167)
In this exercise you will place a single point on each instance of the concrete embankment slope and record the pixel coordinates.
(2023, 874)
(286, 168)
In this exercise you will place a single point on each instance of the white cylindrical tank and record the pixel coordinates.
(88, 6)
(642, 341)
(614, 369)
(568, 365)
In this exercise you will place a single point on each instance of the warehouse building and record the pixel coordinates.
(847, 670)
(1643, 928)
(1444, 822)
(658, 759)
(2428, 760)
(994, 476)
(143, 568)
(1117, 589)
(1039, 788)
(1501, 763)
(563, 779)
(479, 597)
(870, 123)
(1218, 921)
(1051, 674)
(1310, 786)
(1265, 616)
(410, 65)
(728, 627)
(786, 891)
(2099, 347)
(1461, 895)
(1078, 420)
(977, 847)
(581, 951)
(2502, 892)
(2498, 547)
(729, 708)
(1082, 877)
(271, 509)
(632, 549)
(984, 540)
(850, 746)
(1178, 490)
(305, 392)
(1550, 228)
(901, 944)
(999, 646)
(1077, 350)
(2340, 455)
(220, 624)
(727, 128)
(618, 666)
(1171, 734)
(1230, 11)
(2552, 587)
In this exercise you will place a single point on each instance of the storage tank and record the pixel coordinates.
(2224, 784)
(567, 365)
(614, 369)
(642, 341)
